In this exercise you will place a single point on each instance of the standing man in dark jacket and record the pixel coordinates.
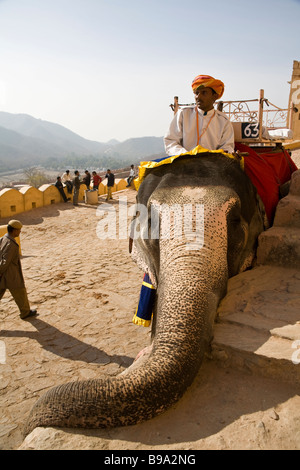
(87, 179)
(11, 276)
(76, 184)
(110, 183)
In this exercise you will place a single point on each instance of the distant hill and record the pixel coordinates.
(49, 132)
(27, 141)
(139, 147)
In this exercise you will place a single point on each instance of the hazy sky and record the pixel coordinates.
(110, 68)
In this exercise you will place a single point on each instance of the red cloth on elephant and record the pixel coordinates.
(268, 170)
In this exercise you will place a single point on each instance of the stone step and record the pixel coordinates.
(288, 212)
(258, 352)
(258, 326)
(279, 246)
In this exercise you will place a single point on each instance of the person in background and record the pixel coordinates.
(11, 276)
(76, 184)
(96, 180)
(110, 183)
(66, 179)
(60, 188)
(131, 176)
(87, 179)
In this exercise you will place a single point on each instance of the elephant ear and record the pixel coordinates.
(145, 261)
(250, 222)
(145, 251)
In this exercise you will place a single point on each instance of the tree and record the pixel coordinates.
(35, 177)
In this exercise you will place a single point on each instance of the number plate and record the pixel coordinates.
(250, 130)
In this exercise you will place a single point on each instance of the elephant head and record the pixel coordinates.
(216, 207)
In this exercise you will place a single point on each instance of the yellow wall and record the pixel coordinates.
(14, 202)
(11, 202)
(104, 185)
(51, 195)
(120, 184)
(33, 198)
(101, 189)
(82, 188)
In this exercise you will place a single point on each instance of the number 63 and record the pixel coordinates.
(251, 130)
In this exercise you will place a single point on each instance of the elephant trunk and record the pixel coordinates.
(190, 286)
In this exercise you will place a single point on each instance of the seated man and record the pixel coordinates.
(60, 188)
(66, 179)
(131, 176)
(201, 124)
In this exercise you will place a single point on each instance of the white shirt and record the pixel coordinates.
(131, 172)
(66, 177)
(182, 134)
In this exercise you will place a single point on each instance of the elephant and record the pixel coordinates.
(190, 280)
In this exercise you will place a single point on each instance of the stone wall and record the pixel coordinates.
(294, 101)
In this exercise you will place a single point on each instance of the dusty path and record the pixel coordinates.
(85, 291)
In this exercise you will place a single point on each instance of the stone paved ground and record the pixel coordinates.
(85, 290)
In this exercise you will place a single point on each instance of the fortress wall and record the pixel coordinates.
(13, 202)
(104, 184)
(33, 198)
(83, 188)
(51, 195)
(120, 184)
(102, 189)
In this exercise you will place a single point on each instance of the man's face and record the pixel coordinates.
(205, 98)
(16, 232)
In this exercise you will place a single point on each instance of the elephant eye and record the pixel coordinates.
(234, 217)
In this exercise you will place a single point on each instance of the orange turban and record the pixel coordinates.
(207, 81)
